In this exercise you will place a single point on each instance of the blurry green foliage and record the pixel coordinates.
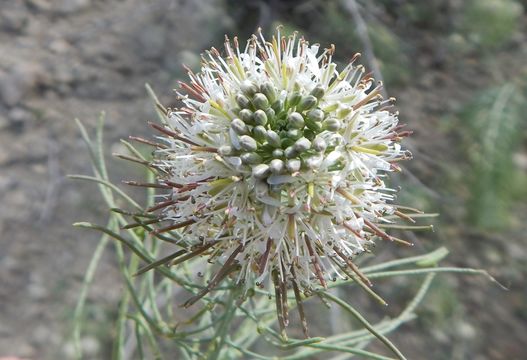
(415, 195)
(441, 306)
(459, 45)
(493, 121)
(390, 54)
(337, 26)
(424, 14)
(490, 24)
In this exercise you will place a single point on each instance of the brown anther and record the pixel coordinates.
(148, 185)
(299, 303)
(174, 227)
(161, 205)
(191, 90)
(262, 262)
(352, 266)
(225, 270)
(215, 52)
(404, 216)
(395, 167)
(316, 265)
(171, 133)
(188, 111)
(373, 94)
(352, 230)
(376, 230)
(204, 149)
(355, 57)
(148, 142)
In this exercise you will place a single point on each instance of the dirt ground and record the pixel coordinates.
(67, 59)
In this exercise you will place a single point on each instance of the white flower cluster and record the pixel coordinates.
(276, 163)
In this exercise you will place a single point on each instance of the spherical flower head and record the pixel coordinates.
(276, 163)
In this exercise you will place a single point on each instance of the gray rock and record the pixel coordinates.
(90, 347)
(20, 117)
(6, 184)
(151, 42)
(4, 123)
(70, 6)
(17, 82)
(64, 74)
(466, 330)
(37, 291)
(13, 20)
(60, 46)
(41, 5)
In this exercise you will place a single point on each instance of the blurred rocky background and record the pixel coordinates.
(458, 71)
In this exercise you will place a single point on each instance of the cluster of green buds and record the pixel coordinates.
(275, 135)
(274, 166)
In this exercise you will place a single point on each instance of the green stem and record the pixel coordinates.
(88, 279)
(218, 342)
(364, 322)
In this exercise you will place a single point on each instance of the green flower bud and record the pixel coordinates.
(309, 134)
(290, 152)
(260, 117)
(270, 113)
(313, 162)
(225, 150)
(302, 145)
(273, 138)
(276, 166)
(269, 91)
(293, 165)
(332, 124)
(330, 108)
(286, 142)
(293, 99)
(259, 142)
(318, 91)
(248, 143)
(251, 158)
(239, 127)
(294, 134)
(314, 125)
(277, 106)
(295, 121)
(248, 87)
(344, 111)
(259, 133)
(246, 115)
(277, 153)
(260, 101)
(242, 101)
(319, 144)
(316, 115)
(260, 171)
(307, 102)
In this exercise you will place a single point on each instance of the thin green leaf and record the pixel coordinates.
(161, 111)
(141, 253)
(81, 302)
(357, 315)
(109, 185)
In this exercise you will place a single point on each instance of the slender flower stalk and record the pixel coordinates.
(275, 165)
